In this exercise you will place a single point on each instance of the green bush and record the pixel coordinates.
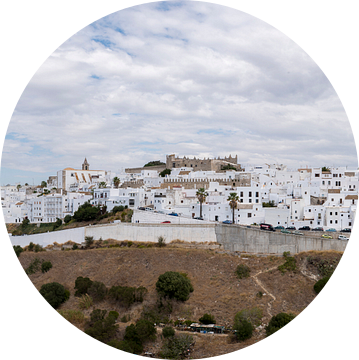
(117, 209)
(101, 327)
(158, 313)
(82, 285)
(290, 263)
(114, 314)
(75, 247)
(277, 322)
(31, 246)
(34, 267)
(97, 291)
(88, 241)
(125, 345)
(54, 293)
(125, 318)
(242, 271)
(244, 329)
(38, 248)
(85, 301)
(46, 266)
(161, 242)
(207, 319)
(127, 295)
(86, 212)
(254, 316)
(176, 347)
(318, 286)
(168, 331)
(172, 284)
(67, 219)
(18, 250)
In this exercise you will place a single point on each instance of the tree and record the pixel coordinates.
(25, 222)
(154, 163)
(54, 293)
(102, 185)
(172, 284)
(67, 218)
(18, 187)
(82, 285)
(43, 184)
(46, 266)
(233, 199)
(18, 250)
(100, 327)
(116, 182)
(277, 322)
(86, 212)
(176, 347)
(324, 168)
(168, 331)
(165, 172)
(207, 319)
(318, 286)
(244, 329)
(201, 196)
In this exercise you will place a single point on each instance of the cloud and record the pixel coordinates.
(187, 78)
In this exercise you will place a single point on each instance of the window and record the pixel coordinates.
(241, 194)
(316, 175)
(241, 200)
(250, 200)
(323, 182)
(250, 194)
(257, 194)
(309, 210)
(330, 213)
(249, 215)
(331, 222)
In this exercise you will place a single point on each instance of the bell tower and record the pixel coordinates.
(85, 165)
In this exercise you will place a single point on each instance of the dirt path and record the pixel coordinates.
(255, 277)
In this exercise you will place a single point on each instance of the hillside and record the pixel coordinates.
(217, 290)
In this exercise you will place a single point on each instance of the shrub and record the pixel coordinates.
(128, 346)
(244, 329)
(85, 301)
(207, 319)
(114, 314)
(117, 209)
(88, 241)
(46, 266)
(158, 313)
(168, 331)
(18, 250)
(67, 219)
(277, 322)
(86, 212)
(82, 285)
(127, 295)
(97, 290)
(73, 316)
(38, 248)
(33, 267)
(318, 286)
(161, 241)
(125, 318)
(290, 263)
(145, 330)
(242, 271)
(54, 293)
(100, 327)
(176, 347)
(254, 316)
(75, 247)
(172, 284)
(31, 246)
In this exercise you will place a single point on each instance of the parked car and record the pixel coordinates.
(331, 230)
(227, 222)
(291, 228)
(166, 222)
(304, 228)
(279, 227)
(318, 229)
(141, 208)
(297, 232)
(284, 231)
(326, 236)
(342, 237)
(346, 230)
(173, 214)
(268, 227)
(198, 218)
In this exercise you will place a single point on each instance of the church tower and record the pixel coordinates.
(85, 165)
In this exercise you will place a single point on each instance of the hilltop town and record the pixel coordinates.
(315, 197)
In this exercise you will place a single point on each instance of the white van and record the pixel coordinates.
(342, 237)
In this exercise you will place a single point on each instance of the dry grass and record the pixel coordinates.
(217, 290)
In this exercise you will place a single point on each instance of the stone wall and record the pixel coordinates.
(242, 239)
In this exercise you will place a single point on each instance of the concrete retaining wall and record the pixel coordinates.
(61, 236)
(236, 238)
(151, 232)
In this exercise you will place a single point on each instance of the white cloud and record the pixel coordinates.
(142, 83)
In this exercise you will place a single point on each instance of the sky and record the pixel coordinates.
(189, 78)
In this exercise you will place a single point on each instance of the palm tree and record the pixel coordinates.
(116, 182)
(233, 199)
(201, 196)
(102, 185)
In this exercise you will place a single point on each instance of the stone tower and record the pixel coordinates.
(85, 165)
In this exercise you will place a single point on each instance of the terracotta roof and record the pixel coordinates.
(307, 170)
(349, 173)
(19, 203)
(184, 172)
(351, 197)
(333, 191)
